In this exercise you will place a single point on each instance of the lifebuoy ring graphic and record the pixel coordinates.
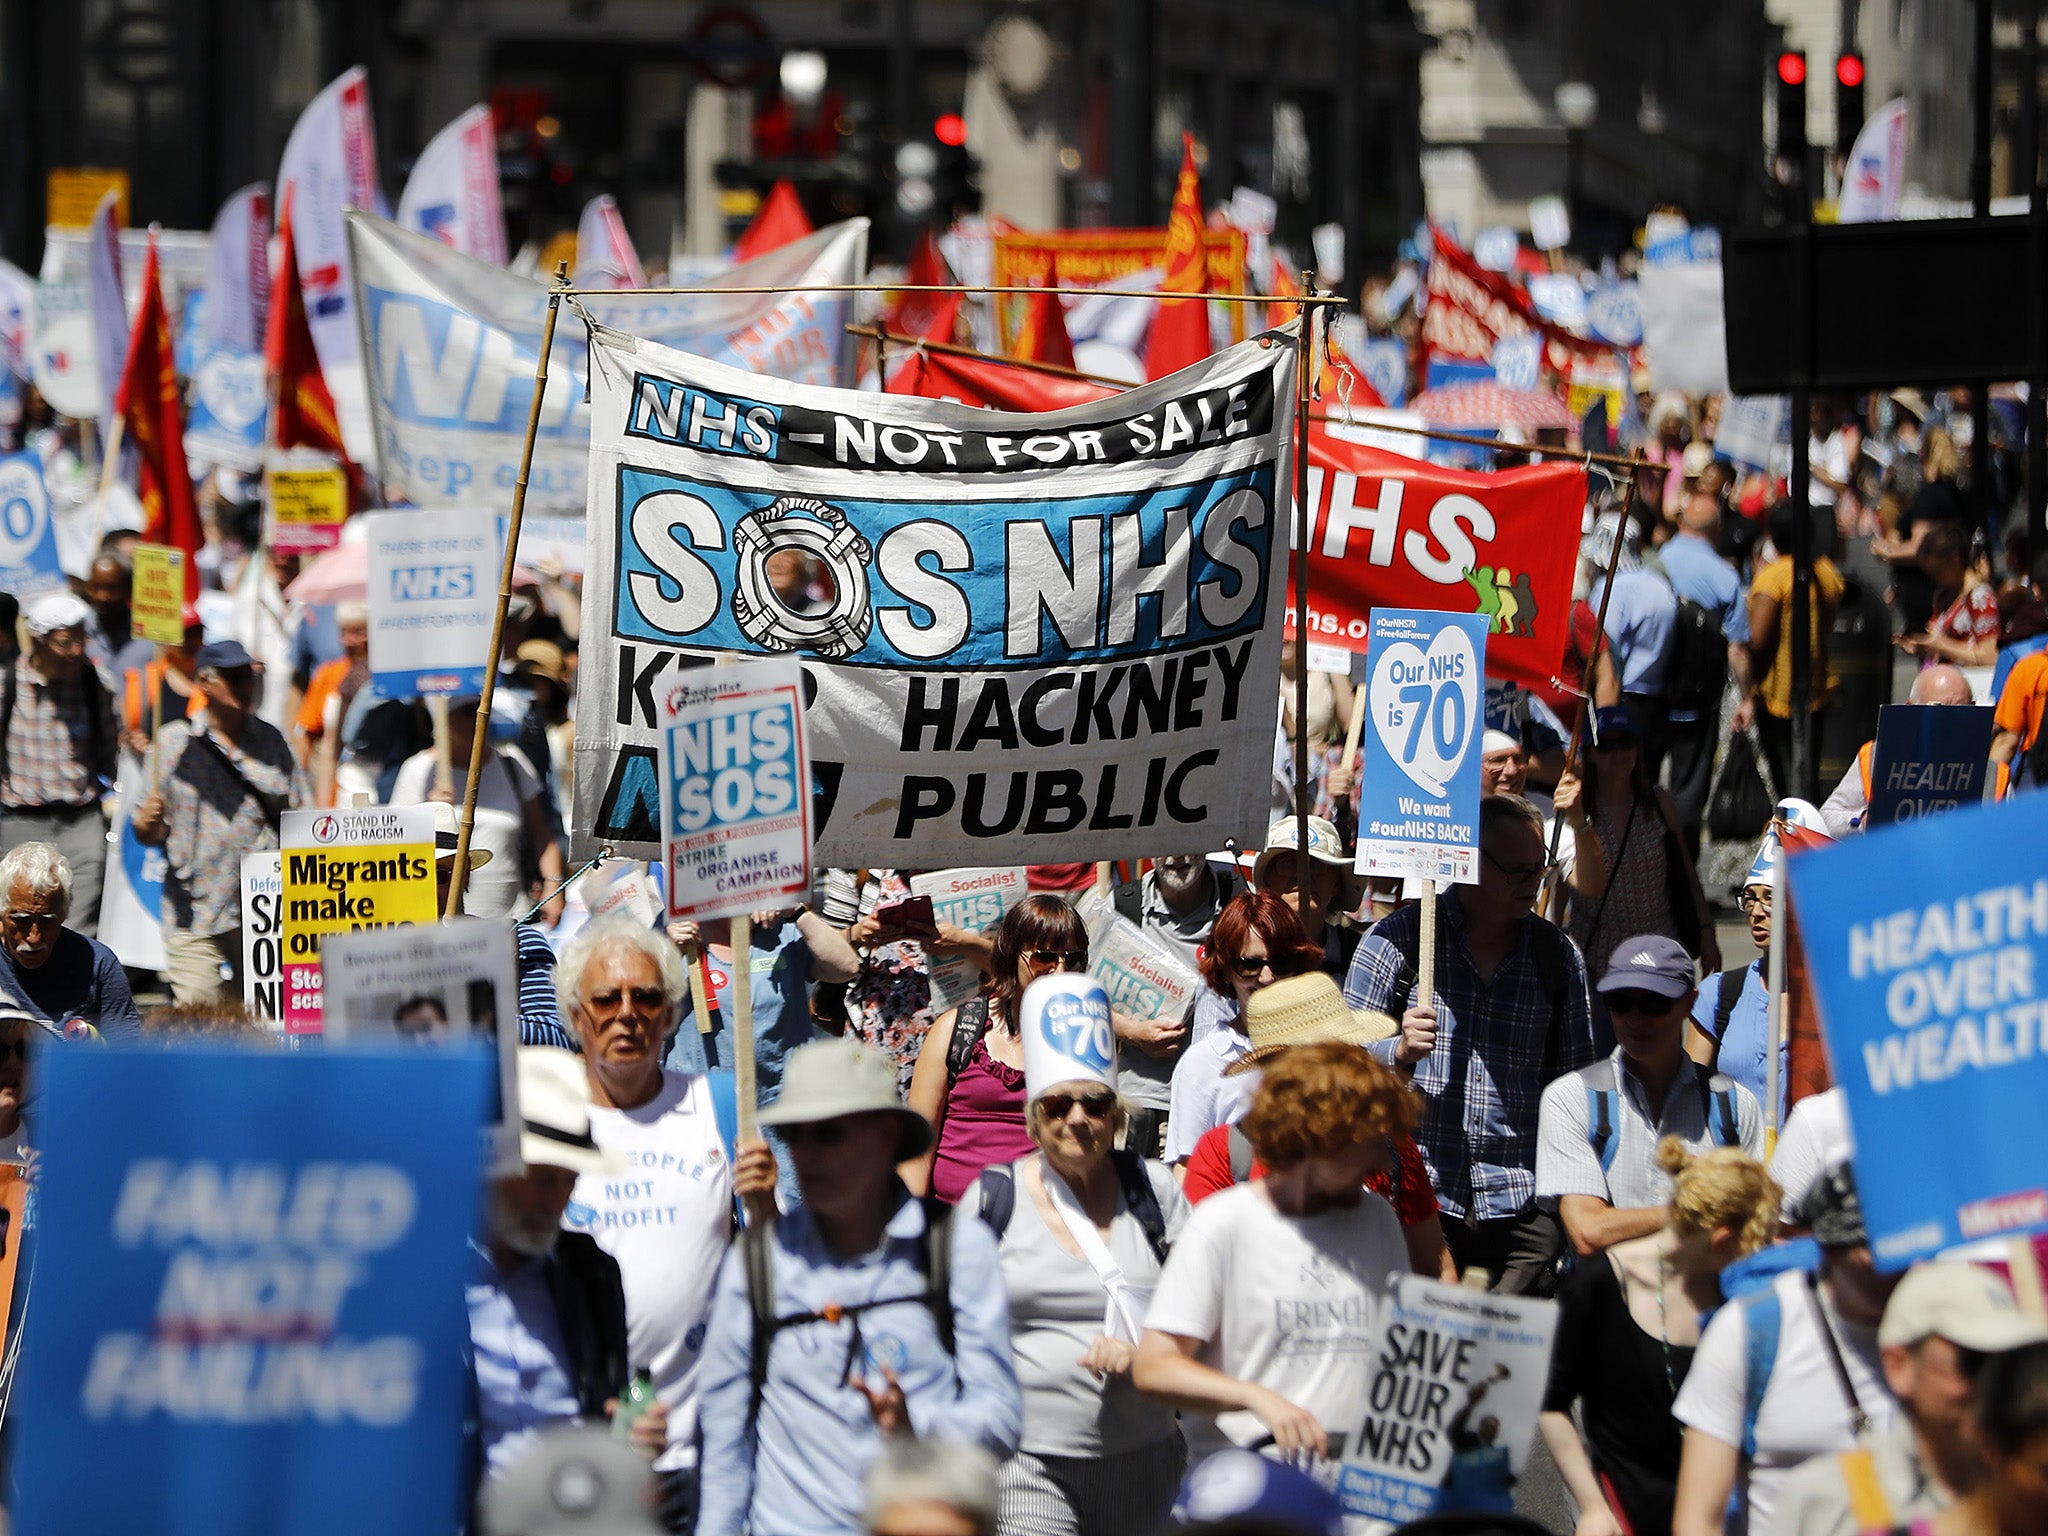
(802, 522)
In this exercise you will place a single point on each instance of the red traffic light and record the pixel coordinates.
(1849, 70)
(950, 128)
(1792, 67)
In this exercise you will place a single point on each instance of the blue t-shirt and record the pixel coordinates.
(80, 980)
(781, 973)
(1749, 1031)
(2007, 656)
(1697, 572)
(1640, 620)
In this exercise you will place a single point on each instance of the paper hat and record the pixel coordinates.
(1064, 1020)
(1800, 813)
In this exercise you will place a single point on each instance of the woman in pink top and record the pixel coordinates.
(973, 1094)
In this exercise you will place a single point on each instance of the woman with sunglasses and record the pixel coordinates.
(1731, 1018)
(1256, 941)
(1631, 873)
(971, 1088)
(1083, 1231)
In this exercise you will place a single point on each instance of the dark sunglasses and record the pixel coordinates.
(1063, 959)
(1096, 1106)
(1521, 871)
(826, 1133)
(1251, 967)
(15, 1048)
(1638, 1002)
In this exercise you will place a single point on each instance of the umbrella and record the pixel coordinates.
(1490, 405)
(342, 573)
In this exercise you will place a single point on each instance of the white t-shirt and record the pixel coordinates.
(1817, 1137)
(506, 785)
(1291, 1303)
(1202, 1097)
(1803, 1413)
(667, 1220)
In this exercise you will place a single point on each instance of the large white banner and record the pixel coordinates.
(452, 193)
(605, 257)
(330, 166)
(238, 272)
(452, 344)
(1042, 638)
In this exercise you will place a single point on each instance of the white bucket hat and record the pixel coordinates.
(830, 1078)
(1798, 813)
(554, 1114)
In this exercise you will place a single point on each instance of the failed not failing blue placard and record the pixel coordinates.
(1928, 758)
(1418, 802)
(1928, 946)
(248, 1309)
(28, 539)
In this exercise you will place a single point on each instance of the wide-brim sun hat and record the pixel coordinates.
(1325, 846)
(448, 832)
(554, 1114)
(1304, 1010)
(830, 1078)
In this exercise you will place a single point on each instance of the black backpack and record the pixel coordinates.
(969, 1025)
(1698, 668)
(997, 1186)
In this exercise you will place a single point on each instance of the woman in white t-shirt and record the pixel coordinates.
(1084, 1229)
(1266, 1317)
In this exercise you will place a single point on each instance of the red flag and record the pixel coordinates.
(1394, 532)
(1180, 330)
(301, 409)
(1042, 336)
(1807, 1069)
(930, 315)
(990, 382)
(781, 220)
(153, 419)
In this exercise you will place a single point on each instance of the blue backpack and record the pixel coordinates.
(725, 1108)
(1603, 1111)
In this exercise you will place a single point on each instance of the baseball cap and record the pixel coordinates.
(1649, 963)
(1964, 1303)
(1615, 722)
(1833, 1211)
(223, 656)
(1244, 1489)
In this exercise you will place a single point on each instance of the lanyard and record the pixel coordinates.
(1858, 1419)
(1124, 1316)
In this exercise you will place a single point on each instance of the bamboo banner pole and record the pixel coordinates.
(444, 751)
(110, 465)
(459, 876)
(1304, 351)
(717, 289)
(1425, 948)
(1355, 731)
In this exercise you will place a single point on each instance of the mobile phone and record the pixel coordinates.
(912, 916)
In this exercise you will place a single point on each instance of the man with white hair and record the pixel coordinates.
(1850, 803)
(59, 975)
(668, 1221)
(58, 747)
(932, 1488)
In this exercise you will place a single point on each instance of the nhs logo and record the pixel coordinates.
(432, 583)
(668, 412)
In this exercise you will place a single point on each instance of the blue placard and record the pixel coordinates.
(248, 1308)
(1928, 946)
(28, 539)
(1928, 758)
(1418, 804)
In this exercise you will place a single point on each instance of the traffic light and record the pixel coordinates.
(956, 181)
(1792, 114)
(1848, 101)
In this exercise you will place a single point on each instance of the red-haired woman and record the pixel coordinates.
(1257, 940)
(969, 1078)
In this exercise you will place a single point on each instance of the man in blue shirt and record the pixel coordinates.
(1693, 565)
(864, 1342)
(1510, 1014)
(1641, 618)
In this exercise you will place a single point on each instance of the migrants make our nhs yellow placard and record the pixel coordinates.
(345, 870)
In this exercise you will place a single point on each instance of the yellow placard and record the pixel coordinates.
(345, 870)
(72, 195)
(157, 600)
(307, 508)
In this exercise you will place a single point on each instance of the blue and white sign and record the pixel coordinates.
(28, 539)
(433, 592)
(1927, 942)
(1615, 314)
(1384, 362)
(248, 1311)
(1064, 1023)
(1928, 758)
(230, 409)
(1518, 361)
(736, 782)
(1418, 803)
(1496, 247)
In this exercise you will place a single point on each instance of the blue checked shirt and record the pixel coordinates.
(1482, 1087)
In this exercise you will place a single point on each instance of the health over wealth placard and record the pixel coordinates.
(1927, 942)
(1045, 638)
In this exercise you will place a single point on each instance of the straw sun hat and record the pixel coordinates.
(1304, 1010)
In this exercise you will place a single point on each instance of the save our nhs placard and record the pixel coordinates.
(433, 592)
(1043, 637)
(1418, 799)
(28, 539)
(1927, 942)
(1928, 758)
(735, 777)
(249, 1311)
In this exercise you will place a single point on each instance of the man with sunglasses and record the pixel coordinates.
(65, 978)
(1596, 1147)
(861, 1315)
(1510, 1014)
